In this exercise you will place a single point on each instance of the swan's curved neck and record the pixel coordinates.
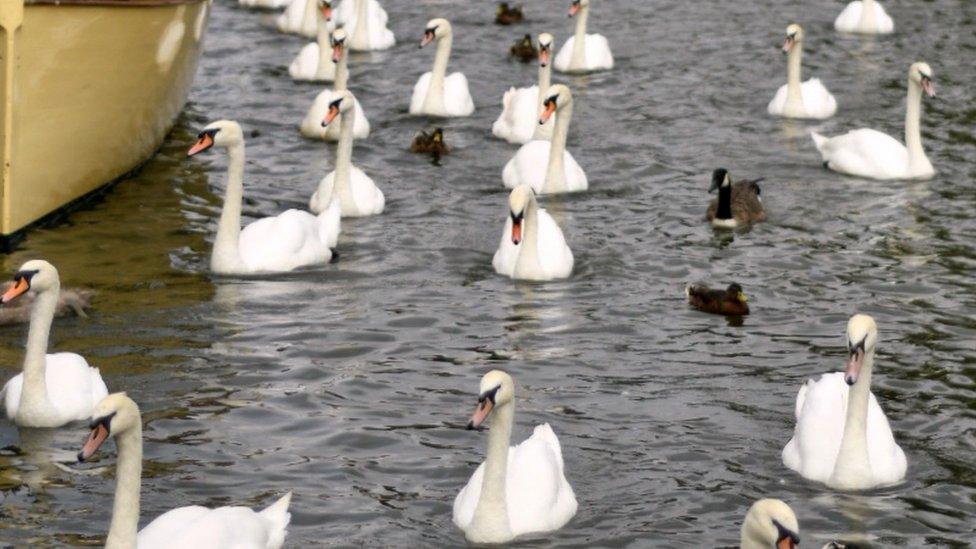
(34, 391)
(794, 95)
(543, 131)
(311, 6)
(724, 210)
(868, 14)
(578, 61)
(435, 93)
(528, 265)
(226, 250)
(341, 71)
(491, 513)
(852, 466)
(360, 37)
(913, 120)
(342, 182)
(556, 172)
(323, 37)
(128, 475)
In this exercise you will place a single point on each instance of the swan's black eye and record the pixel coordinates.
(517, 217)
(335, 104)
(211, 133)
(489, 395)
(25, 275)
(103, 421)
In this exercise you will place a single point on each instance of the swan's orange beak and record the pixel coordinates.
(331, 115)
(205, 142)
(517, 231)
(574, 9)
(854, 363)
(99, 434)
(336, 52)
(928, 87)
(428, 38)
(327, 11)
(481, 413)
(786, 543)
(788, 44)
(544, 55)
(548, 108)
(20, 287)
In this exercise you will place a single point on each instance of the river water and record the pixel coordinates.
(351, 384)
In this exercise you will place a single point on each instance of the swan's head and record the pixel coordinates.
(497, 389)
(771, 523)
(921, 74)
(557, 97)
(862, 336)
(114, 415)
(435, 30)
(720, 179)
(338, 44)
(794, 35)
(37, 275)
(545, 48)
(578, 5)
(342, 103)
(518, 202)
(325, 8)
(222, 133)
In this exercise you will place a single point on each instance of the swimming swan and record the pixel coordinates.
(532, 245)
(794, 100)
(842, 437)
(435, 93)
(311, 125)
(221, 528)
(584, 52)
(54, 389)
(770, 524)
(519, 121)
(519, 489)
(314, 62)
(864, 17)
(870, 153)
(365, 21)
(287, 241)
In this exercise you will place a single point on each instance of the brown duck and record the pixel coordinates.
(737, 204)
(430, 143)
(71, 302)
(728, 302)
(524, 50)
(508, 15)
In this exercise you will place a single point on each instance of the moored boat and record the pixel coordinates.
(88, 91)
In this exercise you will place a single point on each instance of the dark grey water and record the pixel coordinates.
(351, 385)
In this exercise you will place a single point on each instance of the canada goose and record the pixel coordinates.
(431, 143)
(507, 15)
(737, 204)
(524, 50)
(729, 302)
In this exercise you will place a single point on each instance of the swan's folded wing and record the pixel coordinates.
(507, 253)
(888, 462)
(11, 395)
(72, 385)
(369, 198)
(528, 166)
(866, 152)
(304, 65)
(457, 97)
(539, 497)
(467, 498)
(598, 55)
(554, 254)
(778, 103)
(817, 100)
(820, 426)
(419, 93)
(200, 527)
(565, 55)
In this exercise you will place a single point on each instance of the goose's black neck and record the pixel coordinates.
(724, 202)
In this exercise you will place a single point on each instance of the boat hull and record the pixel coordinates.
(89, 91)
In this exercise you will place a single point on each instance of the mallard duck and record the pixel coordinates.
(430, 143)
(507, 15)
(524, 50)
(71, 302)
(738, 204)
(728, 302)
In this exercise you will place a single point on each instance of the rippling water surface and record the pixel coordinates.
(350, 385)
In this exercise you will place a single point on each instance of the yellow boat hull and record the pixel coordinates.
(88, 91)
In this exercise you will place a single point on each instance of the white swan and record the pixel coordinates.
(303, 16)
(435, 93)
(584, 52)
(532, 245)
(272, 244)
(519, 121)
(221, 528)
(794, 100)
(842, 437)
(547, 166)
(314, 62)
(365, 21)
(770, 524)
(54, 389)
(519, 489)
(355, 192)
(864, 17)
(870, 153)
(263, 4)
(311, 125)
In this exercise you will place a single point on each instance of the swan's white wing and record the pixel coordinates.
(368, 197)
(73, 387)
(283, 242)
(849, 20)
(888, 462)
(224, 527)
(813, 450)
(554, 255)
(519, 116)
(528, 166)
(507, 253)
(575, 176)
(817, 101)
(294, 21)
(263, 3)
(420, 94)
(457, 98)
(306, 63)
(378, 36)
(11, 395)
(866, 153)
(778, 104)
(598, 56)
(565, 55)
(467, 499)
(539, 497)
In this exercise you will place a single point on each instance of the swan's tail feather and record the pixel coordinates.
(819, 140)
(277, 513)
